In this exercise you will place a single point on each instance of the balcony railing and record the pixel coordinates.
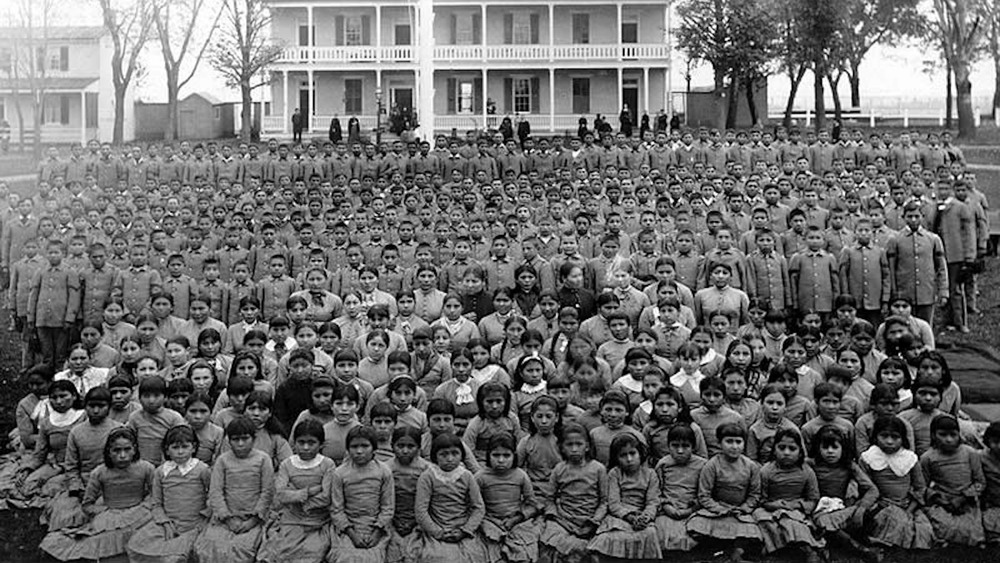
(496, 53)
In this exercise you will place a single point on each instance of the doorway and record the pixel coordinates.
(630, 98)
(304, 108)
(402, 99)
(630, 32)
(403, 34)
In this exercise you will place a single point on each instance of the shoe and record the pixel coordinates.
(950, 328)
(975, 310)
(963, 329)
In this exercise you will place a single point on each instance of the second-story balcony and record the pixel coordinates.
(344, 55)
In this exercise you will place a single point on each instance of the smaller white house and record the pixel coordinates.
(73, 63)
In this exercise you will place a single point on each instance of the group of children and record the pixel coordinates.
(497, 352)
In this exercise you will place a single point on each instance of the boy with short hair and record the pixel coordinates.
(212, 287)
(179, 285)
(140, 282)
(813, 276)
(53, 304)
(273, 292)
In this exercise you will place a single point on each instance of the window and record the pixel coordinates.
(56, 110)
(466, 95)
(581, 95)
(353, 34)
(522, 95)
(464, 34)
(5, 60)
(59, 59)
(304, 34)
(581, 29)
(522, 28)
(92, 111)
(218, 112)
(3, 110)
(352, 95)
(267, 109)
(40, 59)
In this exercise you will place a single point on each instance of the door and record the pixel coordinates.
(188, 126)
(304, 108)
(630, 98)
(403, 34)
(630, 32)
(402, 99)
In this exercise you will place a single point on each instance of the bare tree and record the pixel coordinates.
(243, 52)
(961, 29)
(183, 42)
(128, 23)
(30, 20)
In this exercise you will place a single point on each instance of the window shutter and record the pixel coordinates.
(534, 28)
(508, 95)
(338, 28)
(366, 32)
(303, 36)
(477, 29)
(64, 58)
(535, 96)
(477, 95)
(453, 29)
(452, 104)
(40, 59)
(508, 29)
(64, 110)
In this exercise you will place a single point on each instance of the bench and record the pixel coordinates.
(993, 217)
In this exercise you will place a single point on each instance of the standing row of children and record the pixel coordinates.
(613, 360)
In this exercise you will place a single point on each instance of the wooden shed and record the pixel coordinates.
(201, 116)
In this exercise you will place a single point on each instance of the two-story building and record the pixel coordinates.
(73, 66)
(548, 62)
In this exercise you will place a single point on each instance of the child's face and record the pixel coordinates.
(406, 449)
(688, 362)
(712, 399)
(619, 329)
(241, 445)
(613, 414)
(441, 423)
(146, 368)
(773, 406)
(199, 311)
(889, 441)
(732, 447)
(402, 398)
(947, 440)
(789, 385)
(122, 452)
(501, 459)
(629, 458)
(493, 405)
(344, 410)
(152, 402)
(828, 406)
(113, 313)
(544, 418)
(927, 398)
(851, 361)
(201, 379)
(736, 387)
(449, 459)
(680, 451)
(307, 446)
(574, 447)
(787, 452)
(97, 411)
(795, 355)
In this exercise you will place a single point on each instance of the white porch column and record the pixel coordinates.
(645, 91)
(485, 90)
(618, 93)
(83, 118)
(425, 40)
(312, 31)
(378, 33)
(618, 33)
(284, 109)
(668, 92)
(482, 28)
(552, 98)
(312, 100)
(552, 30)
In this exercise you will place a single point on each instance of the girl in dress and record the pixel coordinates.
(798, 409)
(678, 473)
(495, 417)
(461, 389)
(363, 502)
(991, 472)
(897, 519)
(240, 496)
(198, 414)
(927, 392)
(579, 499)
(84, 453)
(728, 492)
(129, 350)
(528, 385)
(736, 386)
(954, 475)
(884, 402)
(511, 347)
(789, 494)
(449, 506)
(179, 502)
(894, 371)
(689, 375)
(670, 410)
(122, 485)
(538, 452)
(210, 350)
(39, 476)
(484, 369)
(300, 531)
(614, 414)
(846, 493)
(406, 467)
(713, 413)
(509, 530)
(628, 531)
(268, 434)
(493, 326)
(760, 442)
(461, 329)
(205, 379)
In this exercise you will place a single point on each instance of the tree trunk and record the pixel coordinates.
(246, 111)
(733, 107)
(949, 102)
(838, 109)
(719, 99)
(818, 94)
(38, 106)
(118, 135)
(751, 103)
(855, 79)
(963, 88)
(172, 113)
(796, 81)
(995, 53)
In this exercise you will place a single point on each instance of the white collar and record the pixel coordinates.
(448, 476)
(630, 383)
(298, 463)
(680, 378)
(169, 466)
(532, 389)
(62, 419)
(900, 462)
